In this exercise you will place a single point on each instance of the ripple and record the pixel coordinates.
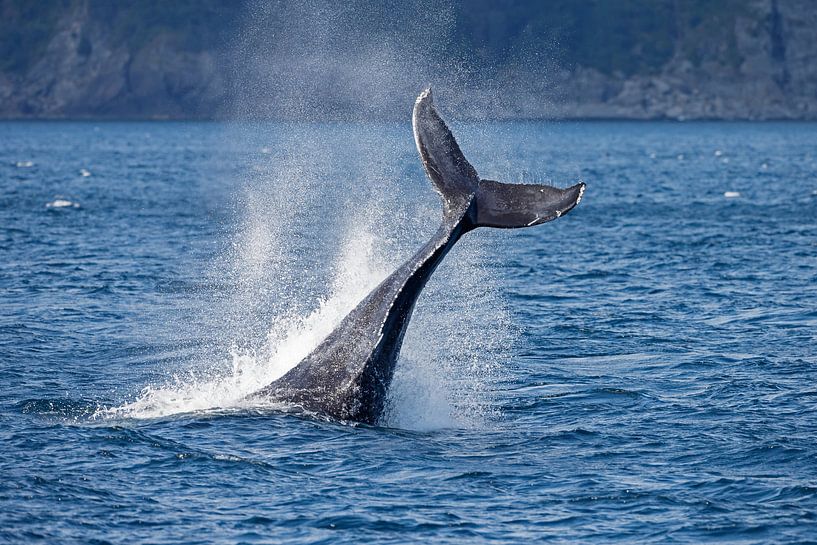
(646, 363)
(62, 407)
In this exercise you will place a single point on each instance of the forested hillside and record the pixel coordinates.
(744, 59)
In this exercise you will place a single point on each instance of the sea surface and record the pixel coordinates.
(643, 369)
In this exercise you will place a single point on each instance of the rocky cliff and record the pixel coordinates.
(754, 60)
(638, 59)
(98, 59)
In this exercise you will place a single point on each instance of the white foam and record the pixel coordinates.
(731, 194)
(61, 203)
(288, 342)
(419, 399)
(24, 164)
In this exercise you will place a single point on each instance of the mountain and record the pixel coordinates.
(628, 59)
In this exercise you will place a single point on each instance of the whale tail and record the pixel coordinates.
(487, 203)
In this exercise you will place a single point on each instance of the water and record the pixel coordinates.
(640, 370)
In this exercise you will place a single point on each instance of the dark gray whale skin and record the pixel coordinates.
(348, 375)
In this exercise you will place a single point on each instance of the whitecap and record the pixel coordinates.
(62, 203)
(24, 164)
(731, 194)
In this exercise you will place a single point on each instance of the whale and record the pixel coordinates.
(347, 376)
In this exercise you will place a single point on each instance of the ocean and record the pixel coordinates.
(642, 369)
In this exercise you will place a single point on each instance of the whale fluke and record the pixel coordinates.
(348, 375)
(522, 205)
(452, 175)
(496, 204)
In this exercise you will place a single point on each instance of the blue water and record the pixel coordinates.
(640, 370)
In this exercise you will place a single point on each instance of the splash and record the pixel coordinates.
(456, 345)
(329, 209)
(289, 340)
(450, 352)
(441, 380)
